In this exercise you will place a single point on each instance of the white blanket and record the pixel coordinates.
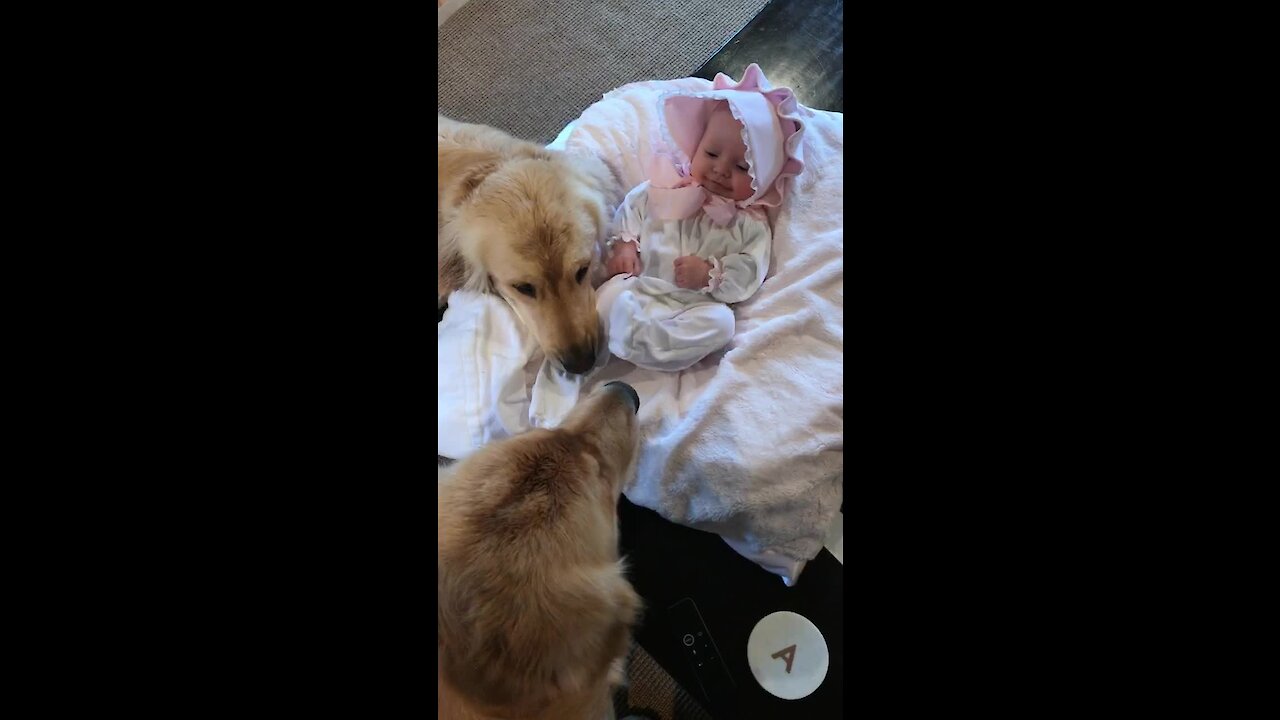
(748, 443)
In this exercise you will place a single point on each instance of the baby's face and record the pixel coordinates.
(719, 164)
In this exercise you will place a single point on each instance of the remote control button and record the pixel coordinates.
(688, 640)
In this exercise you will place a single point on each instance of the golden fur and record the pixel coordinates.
(513, 215)
(535, 611)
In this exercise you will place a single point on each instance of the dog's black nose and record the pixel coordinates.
(579, 360)
(627, 390)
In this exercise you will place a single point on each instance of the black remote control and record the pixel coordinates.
(704, 657)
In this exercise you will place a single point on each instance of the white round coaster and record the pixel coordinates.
(788, 655)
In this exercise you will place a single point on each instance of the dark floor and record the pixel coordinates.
(669, 562)
(798, 44)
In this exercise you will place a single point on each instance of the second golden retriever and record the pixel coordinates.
(535, 611)
(525, 222)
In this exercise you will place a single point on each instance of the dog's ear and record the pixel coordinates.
(466, 168)
(599, 202)
(471, 180)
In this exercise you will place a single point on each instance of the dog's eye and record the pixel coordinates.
(525, 289)
(582, 273)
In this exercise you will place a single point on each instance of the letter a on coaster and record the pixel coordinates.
(787, 653)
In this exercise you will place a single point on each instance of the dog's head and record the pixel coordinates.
(537, 223)
(533, 603)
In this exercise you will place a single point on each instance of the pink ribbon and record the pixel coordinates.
(720, 209)
(674, 195)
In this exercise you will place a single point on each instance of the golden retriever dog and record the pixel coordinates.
(525, 222)
(535, 611)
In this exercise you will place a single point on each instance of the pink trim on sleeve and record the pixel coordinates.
(716, 278)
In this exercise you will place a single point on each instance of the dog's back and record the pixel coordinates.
(534, 608)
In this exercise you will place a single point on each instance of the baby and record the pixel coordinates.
(678, 262)
(695, 237)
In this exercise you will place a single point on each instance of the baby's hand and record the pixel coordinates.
(692, 272)
(624, 259)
